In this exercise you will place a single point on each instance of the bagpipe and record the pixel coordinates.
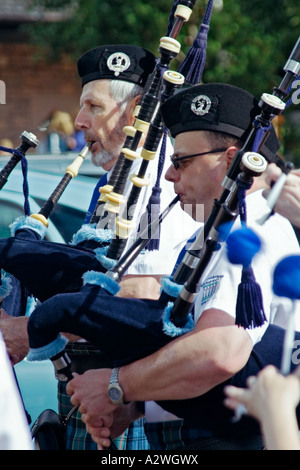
(28, 232)
(28, 140)
(57, 268)
(140, 327)
(70, 173)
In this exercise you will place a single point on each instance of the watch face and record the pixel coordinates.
(115, 394)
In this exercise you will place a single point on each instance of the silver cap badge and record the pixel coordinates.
(201, 105)
(118, 62)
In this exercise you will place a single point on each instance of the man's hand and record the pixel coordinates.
(120, 421)
(103, 419)
(89, 392)
(288, 203)
(14, 331)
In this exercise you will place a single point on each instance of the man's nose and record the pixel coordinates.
(82, 120)
(172, 174)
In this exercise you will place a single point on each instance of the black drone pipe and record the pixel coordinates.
(29, 140)
(169, 48)
(172, 81)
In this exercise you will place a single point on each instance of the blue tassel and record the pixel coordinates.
(153, 207)
(24, 166)
(249, 306)
(242, 245)
(193, 65)
(151, 214)
(171, 17)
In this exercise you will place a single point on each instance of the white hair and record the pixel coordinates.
(122, 92)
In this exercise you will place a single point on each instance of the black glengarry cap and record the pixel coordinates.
(217, 107)
(118, 62)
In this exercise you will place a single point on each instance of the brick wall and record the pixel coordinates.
(33, 90)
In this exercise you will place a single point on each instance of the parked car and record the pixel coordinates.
(56, 164)
(36, 380)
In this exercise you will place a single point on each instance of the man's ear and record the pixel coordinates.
(133, 105)
(132, 110)
(230, 154)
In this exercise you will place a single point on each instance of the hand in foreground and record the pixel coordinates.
(14, 331)
(288, 203)
(264, 393)
(271, 398)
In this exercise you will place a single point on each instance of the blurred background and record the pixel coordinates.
(41, 40)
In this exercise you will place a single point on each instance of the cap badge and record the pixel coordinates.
(118, 62)
(201, 105)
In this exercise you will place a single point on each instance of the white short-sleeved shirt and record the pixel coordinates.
(219, 283)
(174, 230)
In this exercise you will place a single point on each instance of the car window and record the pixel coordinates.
(66, 219)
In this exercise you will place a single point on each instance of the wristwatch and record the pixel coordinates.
(115, 392)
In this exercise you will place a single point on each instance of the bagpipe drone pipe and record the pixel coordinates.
(25, 247)
(56, 268)
(28, 140)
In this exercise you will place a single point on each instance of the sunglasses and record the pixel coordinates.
(175, 160)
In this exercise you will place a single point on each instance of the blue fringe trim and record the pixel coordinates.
(100, 279)
(30, 306)
(170, 287)
(91, 232)
(5, 286)
(107, 263)
(168, 326)
(48, 351)
(28, 222)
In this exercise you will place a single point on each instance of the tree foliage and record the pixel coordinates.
(248, 42)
